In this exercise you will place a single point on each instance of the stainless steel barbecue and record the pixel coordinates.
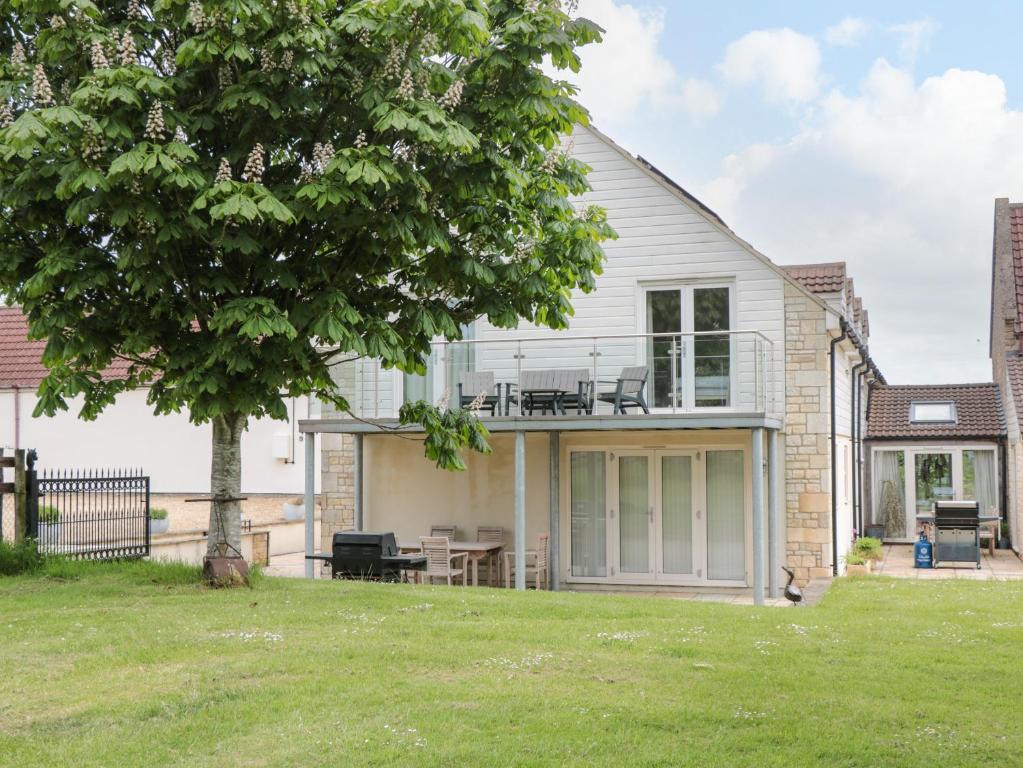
(957, 532)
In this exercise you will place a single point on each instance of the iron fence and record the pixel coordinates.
(96, 515)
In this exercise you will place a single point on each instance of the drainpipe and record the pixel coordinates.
(834, 457)
(857, 493)
(17, 417)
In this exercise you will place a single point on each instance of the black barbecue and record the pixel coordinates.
(368, 557)
(957, 531)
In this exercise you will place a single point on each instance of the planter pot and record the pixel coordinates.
(49, 533)
(293, 512)
(1004, 543)
(858, 570)
(157, 527)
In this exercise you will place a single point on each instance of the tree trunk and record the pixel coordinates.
(225, 531)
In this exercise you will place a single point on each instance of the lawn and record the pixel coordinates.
(136, 664)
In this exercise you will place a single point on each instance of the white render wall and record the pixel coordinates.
(171, 450)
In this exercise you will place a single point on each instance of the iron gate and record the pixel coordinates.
(100, 515)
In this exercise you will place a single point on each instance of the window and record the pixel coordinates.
(932, 412)
(691, 355)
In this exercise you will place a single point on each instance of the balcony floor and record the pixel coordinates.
(567, 423)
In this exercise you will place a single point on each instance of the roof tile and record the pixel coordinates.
(819, 278)
(978, 411)
(21, 359)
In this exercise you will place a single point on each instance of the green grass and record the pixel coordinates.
(135, 664)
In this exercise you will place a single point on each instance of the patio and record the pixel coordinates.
(1003, 566)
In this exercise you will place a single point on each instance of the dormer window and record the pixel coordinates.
(932, 413)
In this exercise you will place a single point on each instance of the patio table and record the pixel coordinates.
(477, 550)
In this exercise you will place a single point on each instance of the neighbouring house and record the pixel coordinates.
(1007, 349)
(736, 451)
(930, 443)
(172, 451)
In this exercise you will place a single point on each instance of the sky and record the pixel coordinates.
(873, 133)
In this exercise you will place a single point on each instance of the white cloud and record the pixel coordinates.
(848, 32)
(784, 62)
(700, 98)
(899, 180)
(915, 37)
(627, 74)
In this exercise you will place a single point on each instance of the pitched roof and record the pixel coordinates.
(819, 278)
(1016, 235)
(1014, 373)
(21, 358)
(978, 411)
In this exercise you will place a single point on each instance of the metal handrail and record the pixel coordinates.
(556, 335)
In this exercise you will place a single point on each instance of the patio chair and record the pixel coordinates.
(540, 565)
(439, 560)
(577, 384)
(446, 531)
(628, 389)
(472, 383)
(492, 533)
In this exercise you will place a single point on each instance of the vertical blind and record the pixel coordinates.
(726, 520)
(634, 514)
(589, 514)
(677, 513)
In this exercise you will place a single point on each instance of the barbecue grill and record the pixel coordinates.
(957, 531)
(368, 557)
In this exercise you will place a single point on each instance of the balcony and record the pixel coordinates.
(708, 378)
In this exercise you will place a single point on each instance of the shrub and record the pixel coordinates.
(157, 513)
(48, 514)
(20, 557)
(854, 558)
(868, 547)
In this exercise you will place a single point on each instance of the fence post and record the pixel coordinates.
(31, 496)
(20, 496)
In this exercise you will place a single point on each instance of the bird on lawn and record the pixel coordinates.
(792, 593)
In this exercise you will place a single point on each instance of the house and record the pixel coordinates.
(930, 443)
(1006, 345)
(754, 379)
(128, 434)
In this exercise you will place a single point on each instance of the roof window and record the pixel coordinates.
(932, 413)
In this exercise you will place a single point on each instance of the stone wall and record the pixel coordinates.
(337, 487)
(807, 437)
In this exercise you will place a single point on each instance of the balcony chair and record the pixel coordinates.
(473, 383)
(488, 534)
(628, 389)
(578, 386)
(440, 561)
(539, 567)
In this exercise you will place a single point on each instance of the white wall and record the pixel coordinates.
(171, 450)
(661, 237)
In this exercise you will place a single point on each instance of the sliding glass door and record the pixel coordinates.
(649, 516)
(691, 365)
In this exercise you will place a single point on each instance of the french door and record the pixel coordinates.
(691, 366)
(668, 516)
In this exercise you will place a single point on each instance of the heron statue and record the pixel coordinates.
(792, 593)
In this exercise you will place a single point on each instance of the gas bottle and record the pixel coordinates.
(922, 552)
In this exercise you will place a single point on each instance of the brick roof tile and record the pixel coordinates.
(21, 358)
(978, 410)
(819, 278)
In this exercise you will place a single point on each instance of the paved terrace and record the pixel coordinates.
(1003, 566)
